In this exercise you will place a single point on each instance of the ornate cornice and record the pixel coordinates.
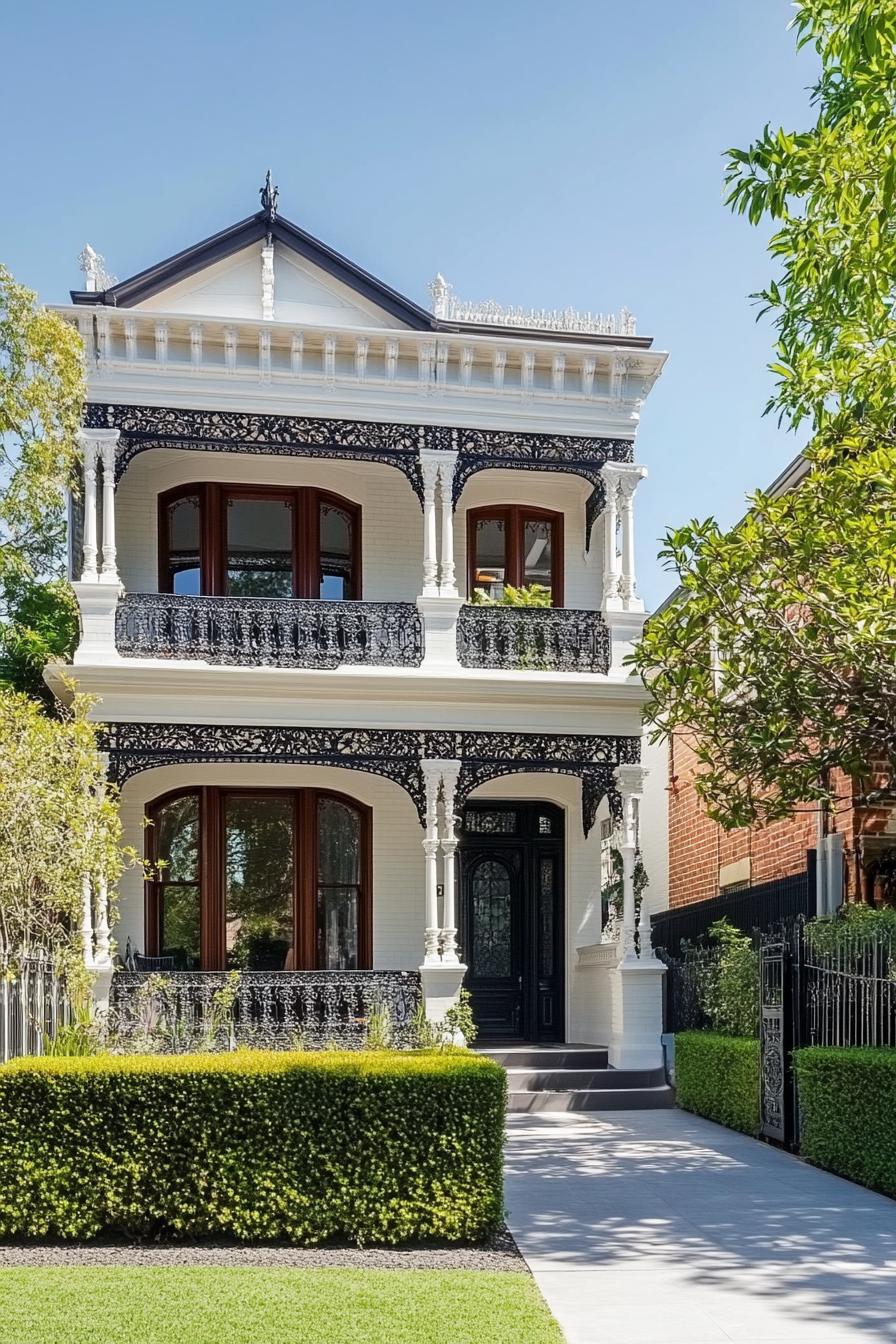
(394, 753)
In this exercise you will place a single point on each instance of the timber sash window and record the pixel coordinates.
(247, 541)
(515, 545)
(263, 880)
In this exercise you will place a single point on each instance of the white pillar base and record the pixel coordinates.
(439, 616)
(101, 989)
(97, 603)
(441, 991)
(625, 629)
(636, 1014)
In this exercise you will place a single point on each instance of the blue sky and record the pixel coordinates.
(539, 154)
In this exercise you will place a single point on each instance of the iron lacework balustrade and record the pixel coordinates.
(258, 631)
(273, 1010)
(551, 639)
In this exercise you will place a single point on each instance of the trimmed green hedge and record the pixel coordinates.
(718, 1076)
(848, 1112)
(370, 1147)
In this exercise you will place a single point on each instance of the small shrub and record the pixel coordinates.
(368, 1147)
(728, 982)
(718, 1077)
(848, 1112)
(852, 929)
(459, 1017)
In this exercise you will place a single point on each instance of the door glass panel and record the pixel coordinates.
(183, 546)
(490, 823)
(259, 877)
(546, 893)
(336, 547)
(259, 547)
(338, 885)
(537, 552)
(492, 933)
(491, 556)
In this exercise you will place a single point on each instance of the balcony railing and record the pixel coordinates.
(549, 639)
(272, 1010)
(265, 632)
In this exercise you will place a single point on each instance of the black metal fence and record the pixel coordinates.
(759, 907)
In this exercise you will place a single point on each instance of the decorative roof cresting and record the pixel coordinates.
(449, 308)
(269, 195)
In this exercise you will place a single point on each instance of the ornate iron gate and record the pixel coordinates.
(774, 1042)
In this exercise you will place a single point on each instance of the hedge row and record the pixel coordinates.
(848, 1112)
(304, 1147)
(718, 1076)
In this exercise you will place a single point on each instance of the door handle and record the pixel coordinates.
(520, 983)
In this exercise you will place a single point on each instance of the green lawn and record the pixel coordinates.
(271, 1306)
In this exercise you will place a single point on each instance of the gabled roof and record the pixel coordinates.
(127, 293)
(138, 288)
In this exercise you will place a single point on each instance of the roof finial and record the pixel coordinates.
(269, 194)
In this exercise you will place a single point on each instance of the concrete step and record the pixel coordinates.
(594, 1099)
(549, 1057)
(583, 1080)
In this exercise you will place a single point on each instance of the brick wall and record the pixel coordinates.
(702, 855)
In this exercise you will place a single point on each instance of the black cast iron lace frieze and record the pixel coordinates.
(394, 753)
(272, 1010)
(266, 632)
(551, 639)
(144, 427)
(482, 449)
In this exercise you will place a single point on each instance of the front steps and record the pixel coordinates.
(576, 1078)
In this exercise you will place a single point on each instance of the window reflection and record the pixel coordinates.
(259, 547)
(259, 842)
(491, 557)
(336, 551)
(339, 884)
(184, 574)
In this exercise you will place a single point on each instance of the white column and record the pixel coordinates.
(630, 784)
(628, 484)
(447, 576)
(611, 597)
(108, 445)
(103, 945)
(89, 449)
(450, 772)
(431, 781)
(86, 921)
(429, 466)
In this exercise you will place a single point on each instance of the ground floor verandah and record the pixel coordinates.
(284, 869)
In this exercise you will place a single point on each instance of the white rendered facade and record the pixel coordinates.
(260, 362)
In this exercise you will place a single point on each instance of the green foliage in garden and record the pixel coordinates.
(854, 928)
(848, 1112)
(178, 1305)
(363, 1146)
(728, 982)
(718, 1077)
(42, 625)
(532, 595)
(781, 658)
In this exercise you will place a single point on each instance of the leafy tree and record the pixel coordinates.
(781, 657)
(41, 394)
(56, 824)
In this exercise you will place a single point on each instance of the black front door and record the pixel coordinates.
(512, 906)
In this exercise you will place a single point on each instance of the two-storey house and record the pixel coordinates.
(296, 482)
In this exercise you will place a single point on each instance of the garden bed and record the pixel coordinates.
(361, 1147)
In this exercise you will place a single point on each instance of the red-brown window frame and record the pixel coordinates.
(305, 502)
(515, 517)
(212, 930)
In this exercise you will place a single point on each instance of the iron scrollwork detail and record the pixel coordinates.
(264, 632)
(143, 427)
(557, 639)
(481, 449)
(271, 1009)
(394, 753)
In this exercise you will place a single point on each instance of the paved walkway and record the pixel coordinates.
(647, 1227)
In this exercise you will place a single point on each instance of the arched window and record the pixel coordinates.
(265, 880)
(248, 541)
(515, 545)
